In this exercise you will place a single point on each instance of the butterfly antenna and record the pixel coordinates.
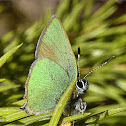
(78, 65)
(99, 66)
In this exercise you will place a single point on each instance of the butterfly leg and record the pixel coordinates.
(80, 106)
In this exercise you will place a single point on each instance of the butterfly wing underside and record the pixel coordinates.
(52, 71)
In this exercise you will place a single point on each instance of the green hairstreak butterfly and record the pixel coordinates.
(52, 72)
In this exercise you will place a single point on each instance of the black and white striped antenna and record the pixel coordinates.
(78, 65)
(98, 67)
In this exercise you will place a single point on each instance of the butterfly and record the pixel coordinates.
(52, 71)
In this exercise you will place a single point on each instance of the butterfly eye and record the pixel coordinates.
(82, 86)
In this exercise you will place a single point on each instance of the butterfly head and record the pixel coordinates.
(81, 86)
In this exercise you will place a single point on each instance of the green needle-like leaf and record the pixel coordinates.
(4, 58)
(61, 104)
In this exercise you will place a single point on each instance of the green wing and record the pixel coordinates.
(52, 71)
(54, 44)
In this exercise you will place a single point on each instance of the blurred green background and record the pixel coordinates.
(97, 26)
